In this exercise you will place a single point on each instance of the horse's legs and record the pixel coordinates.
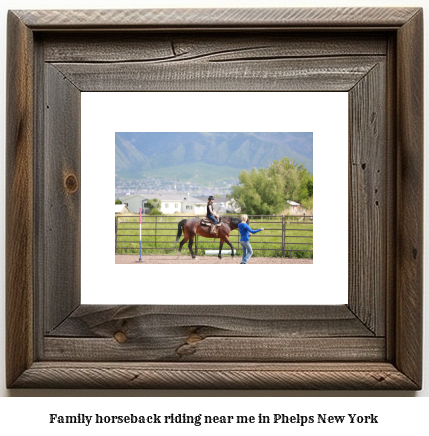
(220, 250)
(229, 243)
(184, 240)
(191, 241)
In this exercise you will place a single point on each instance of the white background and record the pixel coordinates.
(399, 414)
(324, 114)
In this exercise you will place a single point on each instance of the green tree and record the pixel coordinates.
(154, 206)
(266, 191)
(310, 187)
(118, 201)
(307, 204)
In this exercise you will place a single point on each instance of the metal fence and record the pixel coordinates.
(283, 235)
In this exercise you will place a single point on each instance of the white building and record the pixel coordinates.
(170, 203)
(121, 208)
(296, 207)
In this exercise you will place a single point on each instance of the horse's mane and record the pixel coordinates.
(233, 220)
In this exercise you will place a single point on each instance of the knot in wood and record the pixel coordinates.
(193, 338)
(120, 337)
(71, 183)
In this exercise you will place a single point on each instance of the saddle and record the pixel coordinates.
(207, 222)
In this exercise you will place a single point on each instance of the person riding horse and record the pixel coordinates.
(211, 214)
(192, 226)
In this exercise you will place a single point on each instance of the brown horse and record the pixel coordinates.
(191, 227)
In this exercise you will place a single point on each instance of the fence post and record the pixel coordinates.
(156, 222)
(116, 233)
(283, 235)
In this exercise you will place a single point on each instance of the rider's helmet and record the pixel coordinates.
(211, 197)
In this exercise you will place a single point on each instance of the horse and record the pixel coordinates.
(192, 226)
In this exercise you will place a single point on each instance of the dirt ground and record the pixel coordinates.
(226, 260)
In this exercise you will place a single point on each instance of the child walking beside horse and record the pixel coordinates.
(245, 230)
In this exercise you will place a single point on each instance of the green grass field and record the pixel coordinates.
(159, 236)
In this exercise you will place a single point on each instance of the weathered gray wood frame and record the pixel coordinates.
(374, 342)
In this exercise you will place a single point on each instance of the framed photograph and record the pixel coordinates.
(209, 162)
(57, 338)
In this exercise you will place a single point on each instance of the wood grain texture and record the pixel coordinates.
(391, 192)
(330, 74)
(213, 333)
(409, 273)
(19, 198)
(99, 321)
(154, 347)
(215, 376)
(61, 198)
(178, 47)
(207, 18)
(367, 199)
(39, 200)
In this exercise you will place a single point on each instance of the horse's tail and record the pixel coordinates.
(180, 230)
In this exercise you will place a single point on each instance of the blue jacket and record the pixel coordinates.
(244, 230)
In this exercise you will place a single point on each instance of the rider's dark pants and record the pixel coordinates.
(212, 218)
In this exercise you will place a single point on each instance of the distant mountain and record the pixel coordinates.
(184, 155)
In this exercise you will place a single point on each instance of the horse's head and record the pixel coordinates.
(233, 222)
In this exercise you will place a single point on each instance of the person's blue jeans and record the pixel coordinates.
(247, 251)
(212, 218)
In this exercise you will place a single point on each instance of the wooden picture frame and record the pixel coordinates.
(373, 342)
